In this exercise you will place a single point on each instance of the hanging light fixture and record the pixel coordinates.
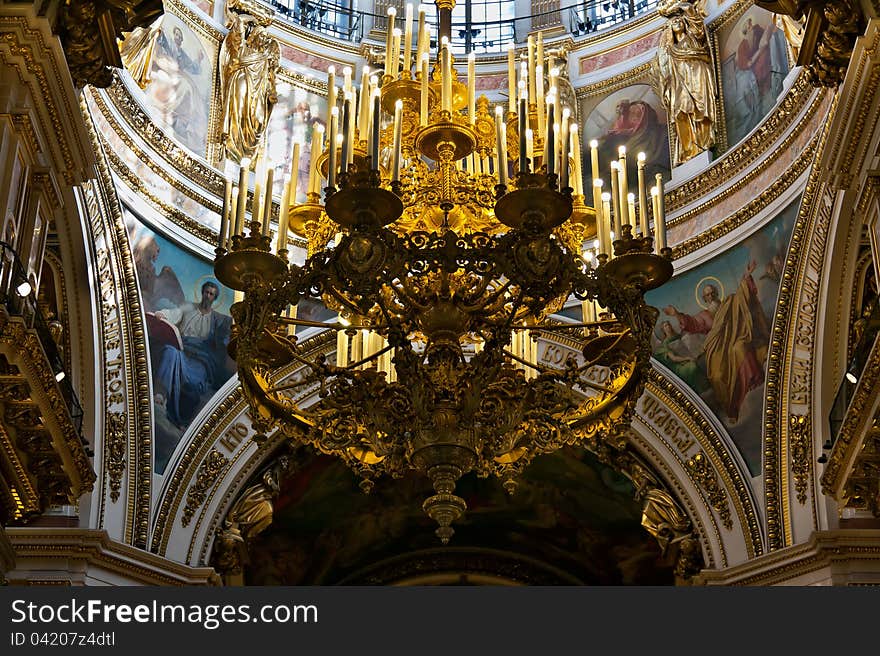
(445, 240)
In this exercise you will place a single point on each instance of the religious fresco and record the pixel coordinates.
(188, 325)
(633, 117)
(293, 117)
(713, 331)
(569, 511)
(754, 63)
(178, 96)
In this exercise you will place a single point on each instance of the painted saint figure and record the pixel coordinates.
(183, 376)
(683, 69)
(733, 326)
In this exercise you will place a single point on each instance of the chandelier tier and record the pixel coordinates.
(445, 239)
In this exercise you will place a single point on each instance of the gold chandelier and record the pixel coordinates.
(445, 240)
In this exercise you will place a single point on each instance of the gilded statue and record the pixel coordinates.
(684, 77)
(136, 51)
(249, 59)
(663, 519)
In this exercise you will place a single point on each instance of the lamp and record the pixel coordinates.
(24, 289)
(446, 275)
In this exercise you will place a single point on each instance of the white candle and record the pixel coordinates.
(259, 179)
(375, 124)
(540, 51)
(407, 38)
(317, 146)
(395, 52)
(346, 80)
(446, 74)
(501, 145)
(423, 102)
(623, 187)
(615, 194)
(660, 224)
(331, 144)
(576, 149)
(294, 176)
(225, 214)
(420, 39)
(530, 148)
(364, 107)
(389, 35)
(606, 212)
(511, 78)
(267, 204)
(530, 42)
(539, 86)
(601, 218)
(631, 208)
(242, 195)
(395, 148)
(331, 88)
(472, 111)
(564, 143)
(284, 216)
(655, 207)
(643, 195)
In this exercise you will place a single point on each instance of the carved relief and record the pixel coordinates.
(209, 472)
(115, 434)
(799, 435)
(705, 476)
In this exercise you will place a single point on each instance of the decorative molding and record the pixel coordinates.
(93, 547)
(702, 472)
(799, 437)
(209, 472)
(115, 434)
(848, 556)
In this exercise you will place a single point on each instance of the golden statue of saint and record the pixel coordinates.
(137, 49)
(249, 59)
(685, 77)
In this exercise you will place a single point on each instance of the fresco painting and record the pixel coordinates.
(188, 326)
(179, 94)
(292, 120)
(633, 117)
(754, 64)
(714, 328)
(568, 511)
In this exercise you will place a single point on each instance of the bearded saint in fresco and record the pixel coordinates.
(734, 327)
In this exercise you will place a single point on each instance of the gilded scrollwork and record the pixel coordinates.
(799, 435)
(703, 473)
(116, 447)
(209, 472)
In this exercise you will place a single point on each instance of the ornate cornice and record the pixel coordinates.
(839, 552)
(735, 220)
(96, 548)
(636, 75)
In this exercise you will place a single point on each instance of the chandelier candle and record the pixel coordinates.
(655, 207)
(317, 146)
(421, 50)
(539, 87)
(660, 218)
(615, 195)
(395, 148)
(511, 78)
(564, 144)
(446, 74)
(395, 53)
(224, 214)
(389, 36)
(259, 179)
(376, 124)
(523, 123)
(331, 160)
(407, 40)
(364, 107)
(242, 195)
(267, 205)
(423, 88)
(471, 83)
(531, 50)
(501, 146)
(550, 141)
(575, 146)
(631, 209)
(643, 196)
(346, 141)
(346, 80)
(623, 188)
(606, 224)
(331, 86)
